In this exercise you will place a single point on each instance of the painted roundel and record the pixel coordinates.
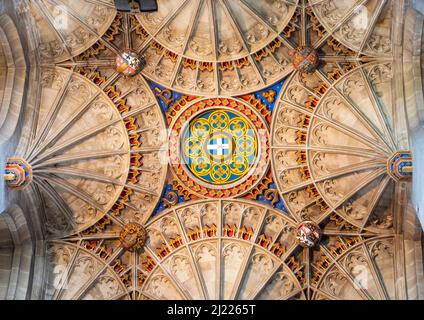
(218, 147)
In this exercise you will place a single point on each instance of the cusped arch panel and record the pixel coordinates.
(330, 149)
(362, 270)
(67, 28)
(219, 250)
(208, 47)
(214, 249)
(206, 249)
(92, 161)
(362, 26)
(76, 273)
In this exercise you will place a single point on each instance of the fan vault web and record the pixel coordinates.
(100, 140)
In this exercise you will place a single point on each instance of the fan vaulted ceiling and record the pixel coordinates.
(105, 149)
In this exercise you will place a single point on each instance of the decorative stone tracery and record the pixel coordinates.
(217, 47)
(93, 163)
(334, 160)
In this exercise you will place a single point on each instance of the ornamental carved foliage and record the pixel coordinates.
(189, 254)
(78, 118)
(74, 268)
(94, 160)
(343, 143)
(360, 27)
(225, 47)
(180, 267)
(65, 29)
(280, 287)
(106, 288)
(329, 142)
(204, 259)
(353, 273)
(59, 257)
(200, 222)
(260, 266)
(335, 284)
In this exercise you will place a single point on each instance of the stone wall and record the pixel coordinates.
(413, 62)
(6, 257)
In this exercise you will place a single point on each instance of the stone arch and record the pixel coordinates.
(12, 77)
(16, 255)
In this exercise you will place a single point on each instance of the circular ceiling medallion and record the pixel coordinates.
(219, 147)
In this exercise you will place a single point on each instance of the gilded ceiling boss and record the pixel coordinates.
(211, 150)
